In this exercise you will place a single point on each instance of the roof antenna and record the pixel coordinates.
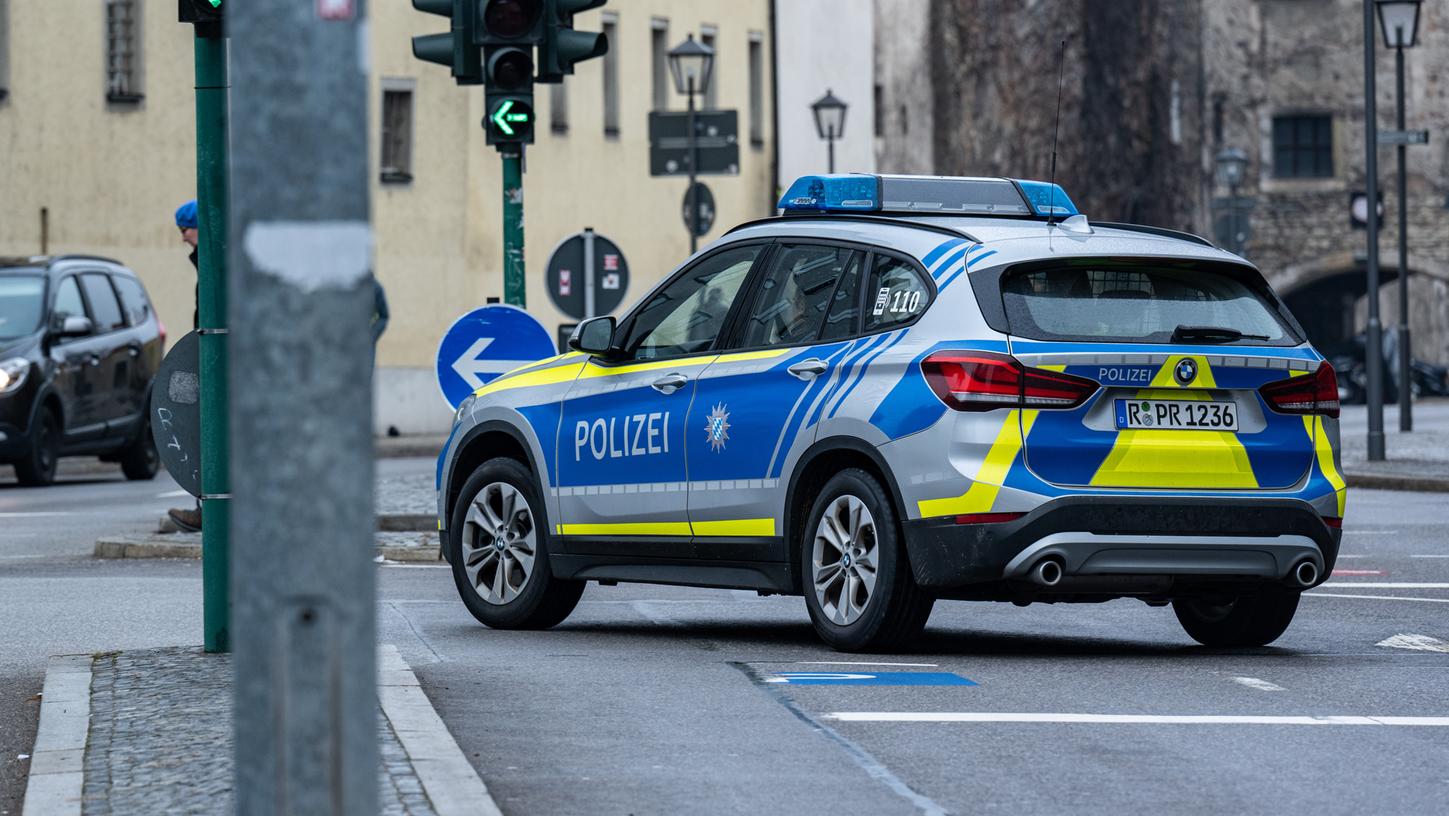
(1056, 127)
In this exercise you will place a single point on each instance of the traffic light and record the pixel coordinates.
(457, 48)
(206, 15)
(562, 46)
(508, 30)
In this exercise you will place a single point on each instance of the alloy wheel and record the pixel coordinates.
(844, 559)
(499, 543)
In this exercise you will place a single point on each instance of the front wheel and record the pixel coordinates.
(1251, 619)
(859, 587)
(498, 540)
(37, 467)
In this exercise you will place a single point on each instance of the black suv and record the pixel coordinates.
(79, 347)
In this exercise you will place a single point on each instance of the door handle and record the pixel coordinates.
(94, 359)
(670, 383)
(808, 369)
(134, 350)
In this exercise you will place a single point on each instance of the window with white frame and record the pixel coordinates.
(397, 131)
(709, 36)
(757, 89)
(659, 63)
(123, 51)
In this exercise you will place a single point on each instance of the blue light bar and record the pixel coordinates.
(941, 195)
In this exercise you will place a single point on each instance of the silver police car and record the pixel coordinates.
(907, 389)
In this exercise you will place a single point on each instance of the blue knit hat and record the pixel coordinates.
(186, 215)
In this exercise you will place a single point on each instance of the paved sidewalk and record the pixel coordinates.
(1418, 460)
(159, 740)
(401, 547)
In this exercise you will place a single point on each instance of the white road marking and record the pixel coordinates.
(31, 515)
(1436, 555)
(1349, 573)
(1419, 643)
(1374, 597)
(395, 565)
(1125, 719)
(1370, 532)
(861, 663)
(1260, 685)
(1371, 585)
(1342, 556)
(176, 494)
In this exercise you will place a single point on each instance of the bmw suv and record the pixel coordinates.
(908, 389)
(79, 347)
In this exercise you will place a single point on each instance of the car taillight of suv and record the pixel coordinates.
(1316, 393)
(983, 381)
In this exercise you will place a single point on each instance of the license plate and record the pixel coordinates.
(1177, 415)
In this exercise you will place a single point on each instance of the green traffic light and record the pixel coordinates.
(214, 3)
(505, 117)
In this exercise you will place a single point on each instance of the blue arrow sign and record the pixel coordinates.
(485, 343)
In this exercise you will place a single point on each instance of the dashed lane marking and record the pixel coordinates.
(1370, 585)
(1260, 685)
(1124, 719)
(1348, 573)
(1435, 555)
(1374, 597)
(1418, 643)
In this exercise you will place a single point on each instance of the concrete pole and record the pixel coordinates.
(1406, 378)
(1374, 353)
(305, 690)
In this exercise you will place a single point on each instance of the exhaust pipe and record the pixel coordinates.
(1047, 572)
(1305, 574)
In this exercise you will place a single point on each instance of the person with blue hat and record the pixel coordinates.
(189, 519)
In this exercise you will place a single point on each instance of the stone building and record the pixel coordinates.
(1152, 90)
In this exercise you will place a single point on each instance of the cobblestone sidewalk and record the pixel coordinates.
(161, 739)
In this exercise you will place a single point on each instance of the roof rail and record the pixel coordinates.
(1162, 232)
(867, 218)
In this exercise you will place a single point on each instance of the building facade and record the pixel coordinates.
(825, 46)
(1152, 91)
(97, 149)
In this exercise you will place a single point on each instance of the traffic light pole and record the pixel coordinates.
(1406, 373)
(692, 194)
(211, 196)
(1374, 353)
(514, 284)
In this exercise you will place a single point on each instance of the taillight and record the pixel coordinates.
(983, 380)
(1316, 393)
(162, 327)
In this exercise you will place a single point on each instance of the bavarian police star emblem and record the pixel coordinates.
(717, 427)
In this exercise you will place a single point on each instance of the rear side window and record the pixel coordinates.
(133, 300)
(897, 294)
(105, 311)
(794, 296)
(1138, 304)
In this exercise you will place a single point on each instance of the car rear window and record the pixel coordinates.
(1138, 304)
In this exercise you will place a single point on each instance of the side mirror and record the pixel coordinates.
(75, 326)
(593, 336)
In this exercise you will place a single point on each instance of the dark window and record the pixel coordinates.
(105, 311)
(1144, 305)
(1303, 146)
(707, 37)
(68, 301)
(558, 108)
(611, 79)
(659, 64)
(397, 135)
(792, 299)
(757, 91)
(880, 110)
(133, 299)
(4, 49)
(686, 316)
(123, 51)
(896, 295)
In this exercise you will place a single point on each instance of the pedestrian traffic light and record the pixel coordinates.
(456, 49)
(562, 46)
(206, 15)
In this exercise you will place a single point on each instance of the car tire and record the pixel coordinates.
(508, 587)
(1251, 619)
(856, 579)
(140, 460)
(37, 467)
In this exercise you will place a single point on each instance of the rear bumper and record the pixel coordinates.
(1120, 538)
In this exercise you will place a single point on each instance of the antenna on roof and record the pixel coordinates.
(1056, 127)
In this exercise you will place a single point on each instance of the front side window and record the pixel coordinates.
(686, 316)
(1143, 305)
(897, 294)
(105, 311)
(22, 298)
(68, 301)
(794, 296)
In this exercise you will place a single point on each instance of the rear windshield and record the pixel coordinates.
(1140, 305)
(21, 305)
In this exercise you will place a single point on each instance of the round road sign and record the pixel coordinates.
(704, 202)
(587, 275)
(485, 343)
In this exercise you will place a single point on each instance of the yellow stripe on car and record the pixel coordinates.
(728, 527)
(981, 495)
(1324, 451)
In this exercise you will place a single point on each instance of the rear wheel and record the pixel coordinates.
(499, 542)
(1250, 619)
(140, 460)
(859, 587)
(37, 467)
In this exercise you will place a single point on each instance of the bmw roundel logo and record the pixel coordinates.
(1185, 372)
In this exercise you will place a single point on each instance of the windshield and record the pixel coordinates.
(1141, 305)
(22, 300)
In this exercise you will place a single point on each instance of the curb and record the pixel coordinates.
(407, 522)
(158, 546)
(1387, 481)
(449, 780)
(57, 762)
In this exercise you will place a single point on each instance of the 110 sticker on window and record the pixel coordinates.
(898, 302)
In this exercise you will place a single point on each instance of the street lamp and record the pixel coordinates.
(1232, 168)
(1373, 360)
(829, 122)
(1399, 20)
(691, 64)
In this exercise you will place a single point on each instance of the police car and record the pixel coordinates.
(907, 389)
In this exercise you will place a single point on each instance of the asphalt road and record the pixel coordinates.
(653, 700)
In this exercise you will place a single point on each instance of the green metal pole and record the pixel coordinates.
(211, 199)
(514, 289)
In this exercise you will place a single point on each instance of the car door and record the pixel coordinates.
(622, 479)
(759, 401)
(76, 365)
(109, 344)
